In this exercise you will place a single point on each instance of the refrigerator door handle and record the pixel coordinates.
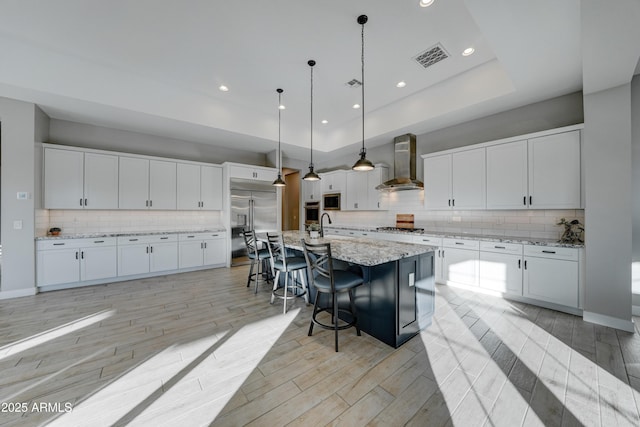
(251, 214)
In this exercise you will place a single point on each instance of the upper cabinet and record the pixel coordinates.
(538, 173)
(199, 187)
(311, 191)
(361, 193)
(455, 181)
(147, 184)
(253, 173)
(77, 180)
(334, 181)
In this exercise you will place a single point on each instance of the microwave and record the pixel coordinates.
(331, 202)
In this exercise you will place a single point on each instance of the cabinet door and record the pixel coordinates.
(58, 266)
(98, 262)
(133, 259)
(100, 181)
(162, 185)
(311, 190)
(554, 171)
(374, 178)
(163, 256)
(461, 266)
(407, 321)
(551, 280)
(190, 254)
(356, 191)
(468, 179)
(507, 176)
(188, 187)
(214, 251)
(133, 186)
(437, 182)
(211, 188)
(63, 179)
(501, 272)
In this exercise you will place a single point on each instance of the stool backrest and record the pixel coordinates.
(251, 242)
(277, 251)
(319, 261)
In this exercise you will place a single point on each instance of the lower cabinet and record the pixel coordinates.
(437, 254)
(198, 249)
(501, 267)
(147, 254)
(460, 261)
(75, 260)
(552, 274)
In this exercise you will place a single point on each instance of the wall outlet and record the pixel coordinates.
(17, 224)
(22, 195)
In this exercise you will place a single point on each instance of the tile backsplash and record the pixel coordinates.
(514, 223)
(113, 221)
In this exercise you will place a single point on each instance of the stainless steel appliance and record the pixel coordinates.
(404, 166)
(253, 206)
(331, 202)
(311, 213)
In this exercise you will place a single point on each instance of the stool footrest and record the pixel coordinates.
(330, 326)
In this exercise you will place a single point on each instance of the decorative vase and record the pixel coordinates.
(314, 234)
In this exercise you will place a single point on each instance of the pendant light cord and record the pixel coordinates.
(279, 112)
(362, 85)
(311, 165)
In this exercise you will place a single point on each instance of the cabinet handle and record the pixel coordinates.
(163, 238)
(133, 240)
(80, 202)
(205, 245)
(449, 202)
(525, 264)
(453, 202)
(530, 200)
(214, 235)
(443, 253)
(524, 200)
(201, 246)
(500, 247)
(146, 203)
(190, 237)
(82, 254)
(378, 204)
(76, 254)
(98, 241)
(519, 263)
(58, 244)
(151, 249)
(147, 249)
(86, 203)
(459, 243)
(150, 203)
(548, 252)
(364, 234)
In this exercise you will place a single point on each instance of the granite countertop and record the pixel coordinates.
(360, 250)
(482, 237)
(128, 233)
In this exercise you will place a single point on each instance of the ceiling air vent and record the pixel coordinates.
(431, 56)
(354, 83)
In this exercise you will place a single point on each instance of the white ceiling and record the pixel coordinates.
(154, 66)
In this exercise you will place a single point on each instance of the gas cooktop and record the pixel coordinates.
(399, 230)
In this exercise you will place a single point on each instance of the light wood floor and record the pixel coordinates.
(200, 348)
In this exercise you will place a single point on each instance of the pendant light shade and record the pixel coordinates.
(362, 164)
(279, 182)
(311, 175)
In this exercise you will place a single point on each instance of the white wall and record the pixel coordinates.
(607, 163)
(103, 138)
(635, 194)
(19, 121)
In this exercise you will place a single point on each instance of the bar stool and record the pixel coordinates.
(332, 282)
(256, 255)
(292, 266)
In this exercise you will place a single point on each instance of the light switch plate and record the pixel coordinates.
(17, 224)
(23, 195)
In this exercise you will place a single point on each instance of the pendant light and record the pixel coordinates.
(362, 164)
(279, 182)
(311, 175)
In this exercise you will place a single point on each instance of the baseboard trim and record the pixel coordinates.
(18, 293)
(611, 322)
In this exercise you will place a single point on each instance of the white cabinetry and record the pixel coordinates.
(75, 260)
(538, 173)
(455, 181)
(148, 253)
(501, 267)
(460, 262)
(199, 187)
(254, 173)
(147, 184)
(361, 193)
(333, 182)
(78, 180)
(552, 274)
(437, 254)
(311, 191)
(198, 249)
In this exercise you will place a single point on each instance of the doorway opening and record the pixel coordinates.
(291, 200)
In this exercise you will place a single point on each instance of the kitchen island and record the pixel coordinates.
(397, 298)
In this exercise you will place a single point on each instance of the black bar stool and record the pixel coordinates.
(332, 282)
(290, 265)
(256, 255)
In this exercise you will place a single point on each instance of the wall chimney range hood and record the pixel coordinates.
(404, 166)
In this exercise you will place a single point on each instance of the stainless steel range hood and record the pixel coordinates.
(404, 166)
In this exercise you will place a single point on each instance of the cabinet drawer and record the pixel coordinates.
(45, 245)
(427, 240)
(460, 243)
(570, 254)
(504, 248)
(136, 240)
(185, 237)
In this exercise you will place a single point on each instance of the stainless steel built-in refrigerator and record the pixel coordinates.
(253, 206)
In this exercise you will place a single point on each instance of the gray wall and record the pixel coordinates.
(103, 138)
(19, 121)
(635, 184)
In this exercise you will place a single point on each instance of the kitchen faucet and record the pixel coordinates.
(321, 223)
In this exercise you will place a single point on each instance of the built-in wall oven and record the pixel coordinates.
(331, 202)
(311, 213)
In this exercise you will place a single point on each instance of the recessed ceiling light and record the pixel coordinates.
(468, 51)
(401, 84)
(281, 107)
(223, 88)
(356, 106)
(324, 122)
(425, 3)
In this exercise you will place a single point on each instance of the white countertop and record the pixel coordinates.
(128, 233)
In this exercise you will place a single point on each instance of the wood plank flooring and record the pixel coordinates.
(201, 349)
